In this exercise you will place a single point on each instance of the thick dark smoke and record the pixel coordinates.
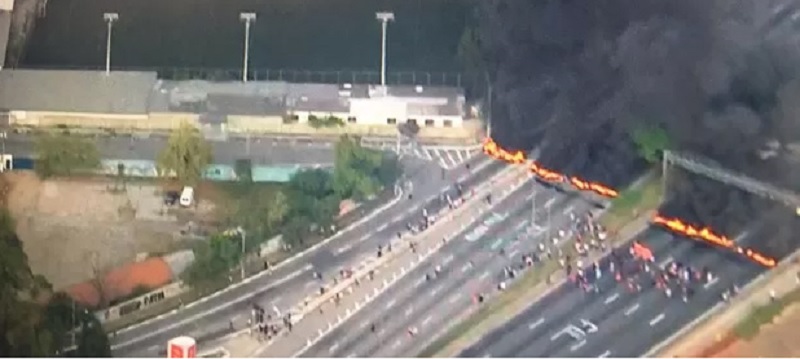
(575, 78)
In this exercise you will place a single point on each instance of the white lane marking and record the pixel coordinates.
(612, 298)
(409, 311)
(664, 263)
(657, 319)
(412, 209)
(484, 275)
(333, 348)
(513, 253)
(397, 218)
(311, 284)
(382, 227)
(711, 283)
(419, 282)
(549, 202)
(447, 260)
(344, 248)
(450, 157)
(487, 355)
(351, 355)
(275, 301)
(364, 324)
(577, 345)
(454, 298)
(364, 238)
(396, 344)
(605, 354)
(535, 324)
(460, 156)
(435, 291)
(568, 209)
(465, 268)
(427, 320)
(390, 304)
(632, 309)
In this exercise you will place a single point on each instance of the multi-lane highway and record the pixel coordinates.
(617, 322)
(288, 284)
(471, 263)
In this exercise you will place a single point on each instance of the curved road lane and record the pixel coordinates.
(470, 265)
(285, 286)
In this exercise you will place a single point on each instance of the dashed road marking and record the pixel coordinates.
(535, 324)
(567, 210)
(465, 268)
(612, 298)
(435, 291)
(333, 348)
(391, 304)
(577, 345)
(409, 311)
(427, 320)
(513, 253)
(711, 283)
(664, 263)
(419, 282)
(632, 309)
(605, 354)
(549, 202)
(454, 298)
(396, 344)
(484, 275)
(382, 227)
(363, 238)
(657, 319)
(364, 324)
(447, 260)
(344, 248)
(311, 284)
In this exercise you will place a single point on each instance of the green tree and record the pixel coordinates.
(244, 170)
(261, 213)
(313, 204)
(214, 259)
(30, 328)
(63, 155)
(187, 155)
(354, 174)
(651, 141)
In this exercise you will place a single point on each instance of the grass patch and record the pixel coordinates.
(633, 201)
(764, 314)
(627, 207)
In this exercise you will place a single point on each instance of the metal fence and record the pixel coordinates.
(427, 78)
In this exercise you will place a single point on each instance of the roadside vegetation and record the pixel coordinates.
(63, 155)
(34, 321)
(765, 314)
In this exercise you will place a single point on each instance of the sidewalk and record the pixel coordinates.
(311, 323)
(713, 329)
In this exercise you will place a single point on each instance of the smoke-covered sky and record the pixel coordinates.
(720, 76)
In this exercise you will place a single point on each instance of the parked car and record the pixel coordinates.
(171, 197)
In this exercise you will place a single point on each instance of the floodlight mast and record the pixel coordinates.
(384, 18)
(247, 18)
(110, 18)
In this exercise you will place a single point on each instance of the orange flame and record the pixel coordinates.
(492, 149)
(708, 235)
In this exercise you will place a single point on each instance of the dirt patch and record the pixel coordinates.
(776, 340)
(74, 228)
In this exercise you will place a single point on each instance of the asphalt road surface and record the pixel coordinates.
(262, 151)
(289, 284)
(617, 322)
(471, 264)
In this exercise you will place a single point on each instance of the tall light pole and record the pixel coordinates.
(243, 233)
(248, 18)
(110, 18)
(384, 18)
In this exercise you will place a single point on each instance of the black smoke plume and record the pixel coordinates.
(576, 78)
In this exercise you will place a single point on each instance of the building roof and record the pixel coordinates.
(122, 281)
(120, 92)
(425, 91)
(253, 105)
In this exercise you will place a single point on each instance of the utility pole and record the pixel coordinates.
(110, 18)
(248, 18)
(384, 18)
(489, 112)
(242, 233)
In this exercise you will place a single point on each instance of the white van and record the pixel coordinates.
(187, 196)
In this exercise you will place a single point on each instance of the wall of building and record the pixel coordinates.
(153, 121)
